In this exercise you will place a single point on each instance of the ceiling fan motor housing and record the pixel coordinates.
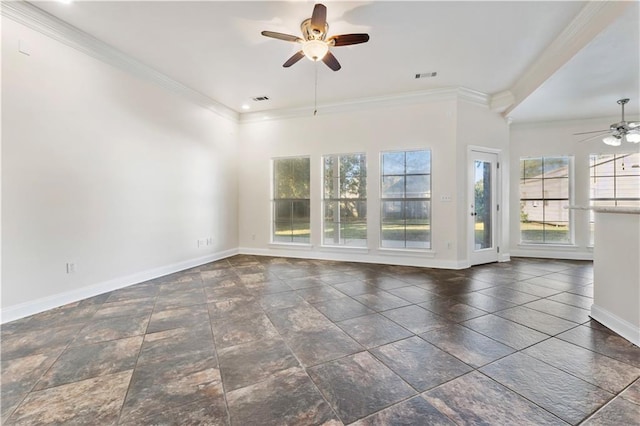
(310, 33)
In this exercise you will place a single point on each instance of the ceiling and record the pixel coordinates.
(215, 48)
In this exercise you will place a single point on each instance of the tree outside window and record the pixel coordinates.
(406, 199)
(291, 200)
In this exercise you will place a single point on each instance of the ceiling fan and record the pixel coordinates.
(627, 130)
(314, 41)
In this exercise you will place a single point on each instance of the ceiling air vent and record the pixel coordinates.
(261, 98)
(426, 74)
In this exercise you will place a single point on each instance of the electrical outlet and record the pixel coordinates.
(210, 241)
(202, 243)
(445, 198)
(71, 268)
(253, 237)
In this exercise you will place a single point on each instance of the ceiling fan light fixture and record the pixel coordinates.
(612, 140)
(633, 137)
(315, 49)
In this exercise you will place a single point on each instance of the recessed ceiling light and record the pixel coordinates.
(245, 107)
(65, 1)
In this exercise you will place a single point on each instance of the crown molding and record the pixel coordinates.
(47, 24)
(594, 17)
(419, 97)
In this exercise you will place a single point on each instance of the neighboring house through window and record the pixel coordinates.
(544, 198)
(614, 180)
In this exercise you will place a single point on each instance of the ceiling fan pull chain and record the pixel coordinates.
(315, 94)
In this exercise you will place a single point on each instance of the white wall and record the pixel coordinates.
(429, 125)
(552, 139)
(104, 170)
(616, 273)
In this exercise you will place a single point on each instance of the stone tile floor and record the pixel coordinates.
(270, 341)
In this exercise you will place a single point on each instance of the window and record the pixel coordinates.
(544, 194)
(406, 199)
(614, 180)
(345, 200)
(291, 204)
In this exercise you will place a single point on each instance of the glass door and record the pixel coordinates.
(483, 207)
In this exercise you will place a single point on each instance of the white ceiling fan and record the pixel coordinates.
(628, 131)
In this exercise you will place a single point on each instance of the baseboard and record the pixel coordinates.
(410, 259)
(616, 324)
(25, 309)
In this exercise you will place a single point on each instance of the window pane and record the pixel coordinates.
(353, 210)
(628, 187)
(544, 194)
(351, 187)
(282, 211)
(530, 188)
(330, 180)
(406, 224)
(418, 186)
(300, 233)
(291, 178)
(354, 233)
(393, 234)
(602, 187)
(418, 162)
(418, 236)
(345, 211)
(301, 177)
(393, 163)
(331, 212)
(393, 187)
(628, 164)
(282, 232)
(531, 168)
(556, 188)
(417, 211)
(557, 233)
(392, 211)
(614, 181)
(531, 232)
(555, 212)
(555, 167)
(300, 211)
(291, 215)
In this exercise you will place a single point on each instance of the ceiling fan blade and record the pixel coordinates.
(319, 18)
(295, 58)
(594, 137)
(331, 61)
(281, 36)
(347, 39)
(594, 131)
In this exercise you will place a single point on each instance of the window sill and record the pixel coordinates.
(297, 246)
(407, 252)
(343, 249)
(554, 246)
